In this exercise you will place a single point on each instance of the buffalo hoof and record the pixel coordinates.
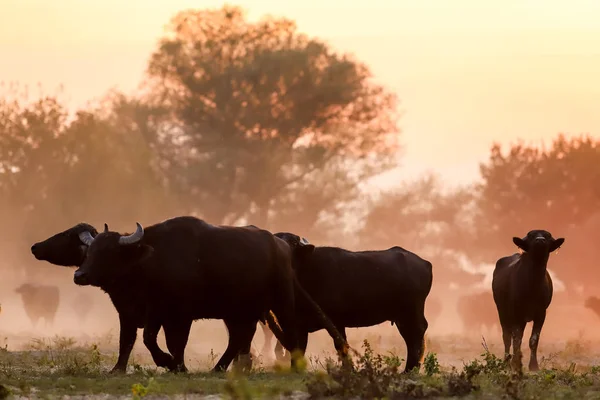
(117, 369)
(218, 369)
(165, 360)
(243, 363)
(179, 369)
(534, 367)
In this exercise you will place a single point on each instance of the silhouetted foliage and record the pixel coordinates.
(554, 189)
(423, 217)
(95, 165)
(261, 111)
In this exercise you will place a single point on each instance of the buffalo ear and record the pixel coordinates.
(105, 227)
(306, 249)
(145, 252)
(137, 254)
(556, 244)
(520, 243)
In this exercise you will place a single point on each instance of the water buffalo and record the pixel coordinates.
(522, 290)
(365, 288)
(476, 311)
(187, 269)
(39, 301)
(69, 249)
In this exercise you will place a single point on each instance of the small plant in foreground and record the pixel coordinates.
(138, 390)
(431, 364)
(373, 376)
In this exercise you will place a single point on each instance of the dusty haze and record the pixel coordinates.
(466, 76)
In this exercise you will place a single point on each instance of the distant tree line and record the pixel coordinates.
(241, 122)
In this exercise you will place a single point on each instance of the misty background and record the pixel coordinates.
(241, 120)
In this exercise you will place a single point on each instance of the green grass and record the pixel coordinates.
(58, 367)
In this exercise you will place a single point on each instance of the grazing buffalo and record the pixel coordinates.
(593, 303)
(522, 290)
(360, 289)
(476, 311)
(186, 269)
(39, 301)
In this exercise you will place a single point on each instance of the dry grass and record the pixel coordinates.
(454, 367)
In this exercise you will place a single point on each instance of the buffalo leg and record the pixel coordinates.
(240, 335)
(340, 350)
(244, 358)
(535, 339)
(127, 336)
(177, 333)
(161, 358)
(413, 332)
(506, 338)
(507, 330)
(517, 338)
(284, 311)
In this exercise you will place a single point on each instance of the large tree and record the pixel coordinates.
(556, 189)
(270, 123)
(58, 169)
(424, 217)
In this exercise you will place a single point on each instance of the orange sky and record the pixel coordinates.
(468, 72)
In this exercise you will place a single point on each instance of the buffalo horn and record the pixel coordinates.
(134, 237)
(86, 238)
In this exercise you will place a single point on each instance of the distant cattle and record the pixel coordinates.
(477, 311)
(186, 269)
(593, 303)
(522, 290)
(82, 305)
(40, 302)
(365, 288)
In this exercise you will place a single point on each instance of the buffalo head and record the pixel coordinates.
(110, 254)
(538, 242)
(67, 248)
(300, 247)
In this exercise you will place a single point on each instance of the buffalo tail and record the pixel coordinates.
(338, 339)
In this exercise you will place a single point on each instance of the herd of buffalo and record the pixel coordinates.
(183, 269)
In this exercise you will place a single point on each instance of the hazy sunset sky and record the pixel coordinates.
(468, 72)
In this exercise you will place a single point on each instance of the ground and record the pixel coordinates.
(455, 366)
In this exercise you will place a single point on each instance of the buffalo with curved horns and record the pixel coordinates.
(187, 269)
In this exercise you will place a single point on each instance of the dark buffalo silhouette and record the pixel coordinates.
(68, 249)
(188, 269)
(476, 311)
(40, 302)
(365, 288)
(522, 290)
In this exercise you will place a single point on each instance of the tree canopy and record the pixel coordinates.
(262, 111)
